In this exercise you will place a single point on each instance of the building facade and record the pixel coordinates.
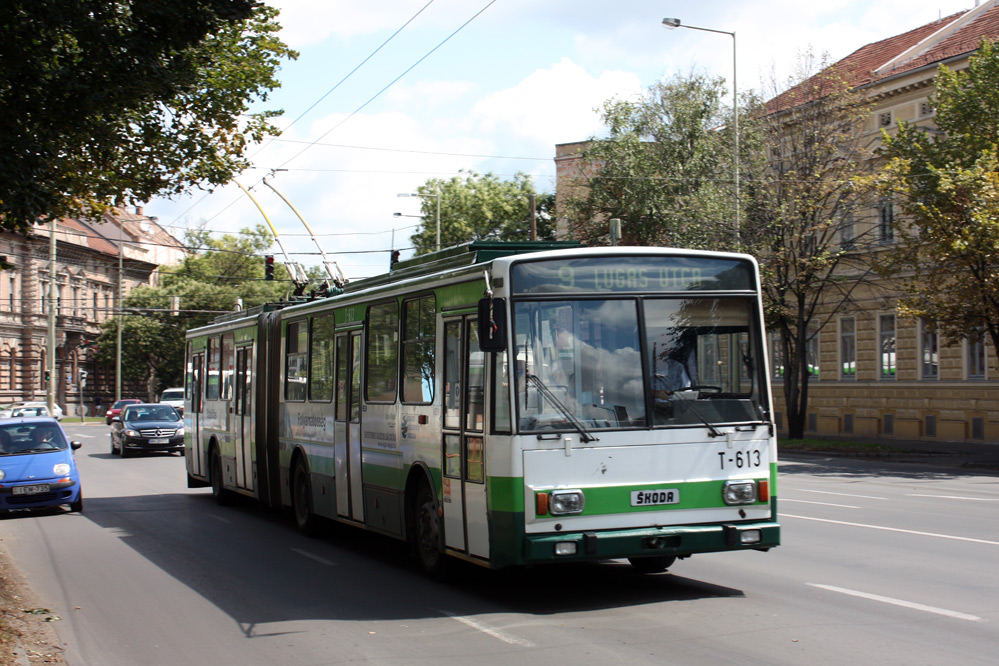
(873, 372)
(97, 264)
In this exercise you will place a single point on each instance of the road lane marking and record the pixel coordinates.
(317, 558)
(220, 518)
(956, 497)
(827, 492)
(899, 602)
(495, 633)
(892, 529)
(842, 506)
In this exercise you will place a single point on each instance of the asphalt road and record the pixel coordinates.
(881, 564)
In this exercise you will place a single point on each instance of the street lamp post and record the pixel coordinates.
(672, 23)
(438, 196)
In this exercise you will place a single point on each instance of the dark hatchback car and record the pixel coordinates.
(147, 427)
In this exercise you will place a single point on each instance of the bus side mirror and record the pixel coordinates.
(492, 324)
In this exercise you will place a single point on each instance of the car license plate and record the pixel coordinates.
(655, 497)
(159, 440)
(31, 490)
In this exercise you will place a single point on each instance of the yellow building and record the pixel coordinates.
(877, 374)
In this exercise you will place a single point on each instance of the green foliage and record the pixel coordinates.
(800, 201)
(116, 102)
(946, 182)
(665, 169)
(207, 283)
(475, 207)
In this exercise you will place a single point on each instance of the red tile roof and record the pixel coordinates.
(929, 44)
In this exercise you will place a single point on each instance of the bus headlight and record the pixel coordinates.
(566, 502)
(739, 492)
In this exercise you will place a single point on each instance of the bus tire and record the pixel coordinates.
(429, 534)
(651, 565)
(301, 500)
(219, 492)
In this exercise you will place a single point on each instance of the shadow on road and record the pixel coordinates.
(257, 568)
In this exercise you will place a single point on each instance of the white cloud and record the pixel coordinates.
(555, 105)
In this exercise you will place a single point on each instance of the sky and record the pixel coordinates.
(488, 86)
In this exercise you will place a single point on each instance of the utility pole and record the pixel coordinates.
(50, 360)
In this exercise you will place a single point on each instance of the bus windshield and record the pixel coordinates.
(631, 363)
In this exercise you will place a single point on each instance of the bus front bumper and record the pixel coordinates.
(679, 541)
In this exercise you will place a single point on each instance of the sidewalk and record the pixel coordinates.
(980, 457)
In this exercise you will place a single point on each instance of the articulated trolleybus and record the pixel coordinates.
(504, 403)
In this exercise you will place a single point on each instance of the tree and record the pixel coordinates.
(664, 169)
(117, 101)
(799, 221)
(946, 182)
(223, 271)
(474, 207)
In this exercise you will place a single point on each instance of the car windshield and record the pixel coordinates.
(31, 438)
(172, 395)
(151, 413)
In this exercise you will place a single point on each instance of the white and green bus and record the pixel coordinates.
(506, 404)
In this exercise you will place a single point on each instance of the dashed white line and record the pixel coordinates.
(892, 529)
(956, 497)
(842, 506)
(828, 492)
(899, 602)
(317, 558)
(495, 633)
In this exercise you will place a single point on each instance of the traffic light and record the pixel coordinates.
(269, 267)
(48, 375)
(395, 258)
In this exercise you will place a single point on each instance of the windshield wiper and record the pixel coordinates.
(584, 434)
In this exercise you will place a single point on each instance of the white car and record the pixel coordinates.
(9, 410)
(175, 398)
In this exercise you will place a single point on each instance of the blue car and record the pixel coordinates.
(37, 465)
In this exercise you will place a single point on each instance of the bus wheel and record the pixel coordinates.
(301, 500)
(651, 565)
(219, 492)
(429, 535)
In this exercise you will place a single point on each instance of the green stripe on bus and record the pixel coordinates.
(506, 493)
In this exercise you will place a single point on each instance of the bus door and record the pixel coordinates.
(243, 413)
(347, 441)
(197, 405)
(465, 524)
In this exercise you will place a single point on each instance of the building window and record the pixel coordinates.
(884, 119)
(887, 346)
(777, 357)
(888, 424)
(812, 349)
(925, 109)
(976, 354)
(846, 235)
(848, 424)
(848, 348)
(929, 348)
(886, 221)
(930, 425)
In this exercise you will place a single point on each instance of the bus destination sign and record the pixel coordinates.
(641, 274)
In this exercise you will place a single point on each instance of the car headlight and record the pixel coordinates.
(62, 469)
(180, 431)
(2, 474)
(131, 433)
(739, 492)
(566, 502)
